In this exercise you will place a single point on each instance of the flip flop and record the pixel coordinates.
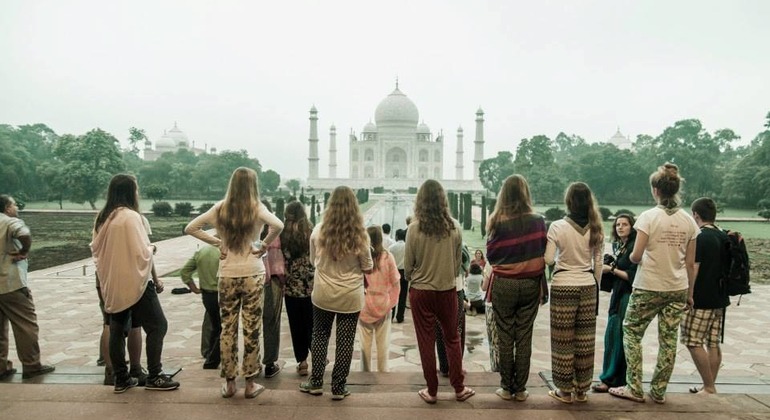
(600, 388)
(580, 397)
(624, 392)
(465, 394)
(695, 389)
(563, 398)
(252, 393)
(423, 393)
(226, 391)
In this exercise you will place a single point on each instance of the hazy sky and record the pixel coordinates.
(243, 75)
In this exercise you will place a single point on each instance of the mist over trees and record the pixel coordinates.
(709, 161)
(37, 164)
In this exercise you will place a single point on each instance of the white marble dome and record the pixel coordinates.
(396, 109)
(369, 128)
(423, 128)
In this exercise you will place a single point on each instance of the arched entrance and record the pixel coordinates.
(395, 163)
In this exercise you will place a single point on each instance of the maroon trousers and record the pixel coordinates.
(429, 307)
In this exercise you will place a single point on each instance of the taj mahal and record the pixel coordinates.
(396, 152)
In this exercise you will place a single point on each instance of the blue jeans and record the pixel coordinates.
(148, 313)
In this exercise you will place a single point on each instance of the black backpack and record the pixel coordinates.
(736, 278)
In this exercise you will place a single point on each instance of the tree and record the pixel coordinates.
(269, 181)
(293, 186)
(155, 192)
(136, 136)
(537, 151)
(89, 161)
(493, 171)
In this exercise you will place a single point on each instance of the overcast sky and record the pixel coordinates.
(243, 75)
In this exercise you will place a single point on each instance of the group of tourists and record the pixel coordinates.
(342, 272)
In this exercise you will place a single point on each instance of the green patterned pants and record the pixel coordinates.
(643, 306)
(241, 298)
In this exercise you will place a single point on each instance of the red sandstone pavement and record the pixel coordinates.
(70, 324)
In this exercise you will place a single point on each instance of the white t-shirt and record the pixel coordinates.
(662, 268)
(568, 247)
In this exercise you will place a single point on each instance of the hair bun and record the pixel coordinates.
(671, 170)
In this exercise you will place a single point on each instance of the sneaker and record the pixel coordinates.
(521, 396)
(161, 382)
(42, 371)
(339, 397)
(140, 376)
(272, 369)
(306, 387)
(124, 386)
(302, 368)
(504, 394)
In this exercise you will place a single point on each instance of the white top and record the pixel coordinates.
(244, 264)
(473, 290)
(13, 275)
(662, 268)
(387, 241)
(338, 285)
(576, 263)
(398, 249)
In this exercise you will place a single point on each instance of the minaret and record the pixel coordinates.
(459, 164)
(313, 155)
(332, 151)
(478, 156)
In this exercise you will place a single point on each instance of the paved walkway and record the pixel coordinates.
(70, 324)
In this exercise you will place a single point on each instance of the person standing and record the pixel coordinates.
(621, 274)
(205, 262)
(16, 305)
(239, 219)
(339, 250)
(387, 241)
(381, 295)
(397, 249)
(432, 260)
(515, 249)
(295, 244)
(275, 277)
(665, 252)
(702, 325)
(575, 246)
(123, 256)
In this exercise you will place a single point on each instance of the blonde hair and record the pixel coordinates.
(513, 200)
(432, 211)
(581, 201)
(237, 216)
(667, 181)
(342, 231)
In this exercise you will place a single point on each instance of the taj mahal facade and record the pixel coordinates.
(395, 152)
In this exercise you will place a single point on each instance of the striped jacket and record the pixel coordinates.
(516, 248)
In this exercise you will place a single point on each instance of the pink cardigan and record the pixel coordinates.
(382, 290)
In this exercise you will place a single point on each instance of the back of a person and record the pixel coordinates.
(516, 247)
(574, 263)
(339, 281)
(712, 257)
(378, 290)
(473, 290)
(663, 267)
(436, 259)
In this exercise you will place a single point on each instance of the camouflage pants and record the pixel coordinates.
(241, 298)
(643, 306)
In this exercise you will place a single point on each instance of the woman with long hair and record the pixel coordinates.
(515, 248)
(575, 245)
(339, 250)
(295, 244)
(382, 288)
(620, 272)
(123, 257)
(664, 283)
(239, 219)
(432, 260)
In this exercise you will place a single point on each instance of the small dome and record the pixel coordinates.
(396, 109)
(460, 129)
(621, 141)
(369, 128)
(480, 111)
(423, 128)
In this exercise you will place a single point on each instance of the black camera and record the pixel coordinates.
(609, 260)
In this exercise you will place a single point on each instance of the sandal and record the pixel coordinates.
(661, 400)
(465, 394)
(580, 397)
(252, 389)
(228, 388)
(695, 389)
(600, 388)
(302, 368)
(624, 392)
(423, 393)
(561, 396)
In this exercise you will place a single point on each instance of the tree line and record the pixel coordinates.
(37, 164)
(711, 164)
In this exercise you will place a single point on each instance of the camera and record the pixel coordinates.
(609, 260)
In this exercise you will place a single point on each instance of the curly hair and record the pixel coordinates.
(237, 217)
(342, 231)
(513, 200)
(295, 237)
(667, 181)
(432, 211)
